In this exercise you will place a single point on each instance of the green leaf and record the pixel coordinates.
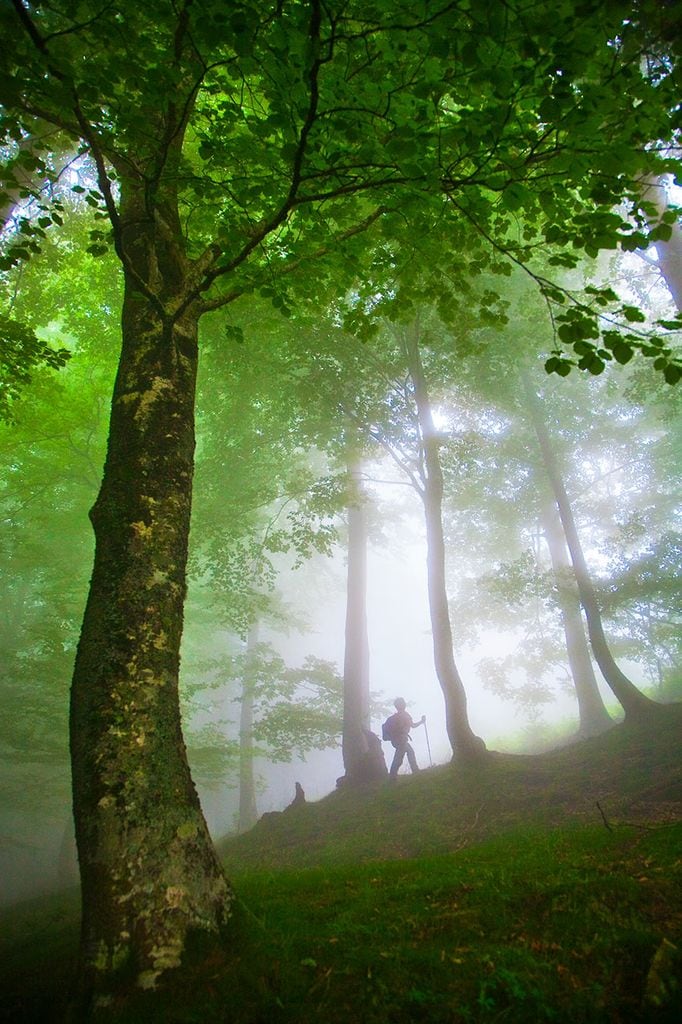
(622, 352)
(661, 233)
(583, 348)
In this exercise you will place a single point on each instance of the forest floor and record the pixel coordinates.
(526, 889)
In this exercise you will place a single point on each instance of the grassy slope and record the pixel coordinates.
(460, 895)
(634, 775)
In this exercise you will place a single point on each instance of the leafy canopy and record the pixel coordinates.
(259, 137)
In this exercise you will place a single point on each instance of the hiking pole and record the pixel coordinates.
(428, 745)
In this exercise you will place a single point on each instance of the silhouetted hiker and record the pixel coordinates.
(396, 729)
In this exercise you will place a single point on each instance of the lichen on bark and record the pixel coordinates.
(150, 874)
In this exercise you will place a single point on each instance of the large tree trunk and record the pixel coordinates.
(466, 745)
(634, 703)
(356, 656)
(594, 718)
(150, 877)
(248, 810)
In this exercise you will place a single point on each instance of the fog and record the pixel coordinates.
(38, 851)
(621, 459)
(401, 664)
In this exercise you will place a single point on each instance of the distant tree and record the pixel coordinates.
(465, 743)
(594, 718)
(290, 711)
(248, 812)
(633, 701)
(641, 598)
(356, 679)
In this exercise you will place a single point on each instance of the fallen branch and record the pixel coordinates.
(603, 817)
(633, 824)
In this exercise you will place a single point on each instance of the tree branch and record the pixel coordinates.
(288, 268)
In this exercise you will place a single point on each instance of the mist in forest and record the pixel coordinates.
(339, 510)
(619, 460)
(506, 632)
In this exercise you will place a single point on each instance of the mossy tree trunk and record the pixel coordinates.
(149, 873)
(466, 745)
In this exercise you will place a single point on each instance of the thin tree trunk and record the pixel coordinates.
(248, 810)
(356, 657)
(150, 876)
(634, 703)
(466, 745)
(670, 252)
(594, 718)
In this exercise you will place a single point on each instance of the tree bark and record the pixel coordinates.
(150, 877)
(248, 809)
(356, 656)
(633, 702)
(594, 718)
(466, 745)
(670, 252)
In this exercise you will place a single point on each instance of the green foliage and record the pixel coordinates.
(214, 758)
(50, 467)
(589, 331)
(525, 126)
(21, 352)
(296, 710)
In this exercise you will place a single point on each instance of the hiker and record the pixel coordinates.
(396, 729)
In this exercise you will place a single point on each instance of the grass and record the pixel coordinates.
(629, 775)
(489, 895)
(559, 925)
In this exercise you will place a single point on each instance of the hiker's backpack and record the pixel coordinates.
(387, 729)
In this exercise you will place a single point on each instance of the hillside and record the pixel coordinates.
(631, 774)
(457, 896)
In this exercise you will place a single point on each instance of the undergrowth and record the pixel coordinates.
(496, 895)
(574, 925)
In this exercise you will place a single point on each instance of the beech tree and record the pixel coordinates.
(232, 147)
(594, 718)
(633, 701)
